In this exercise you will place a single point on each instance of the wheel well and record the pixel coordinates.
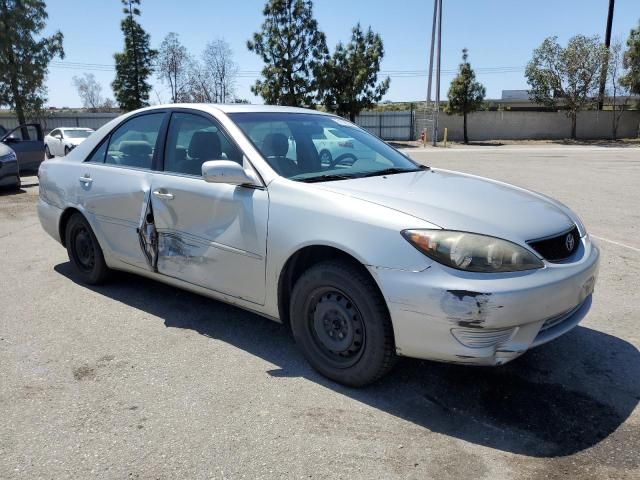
(62, 227)
(299, 263)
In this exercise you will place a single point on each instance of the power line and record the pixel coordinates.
(251, 73)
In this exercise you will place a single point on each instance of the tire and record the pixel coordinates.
(326, 158)
(66, 151)
(341, 323)
(47, 152)
(84, 251)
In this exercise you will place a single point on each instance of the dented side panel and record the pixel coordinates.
(211, 235)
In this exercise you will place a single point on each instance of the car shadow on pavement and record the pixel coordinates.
(557, 400)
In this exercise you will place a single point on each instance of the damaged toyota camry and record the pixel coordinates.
(367, 256)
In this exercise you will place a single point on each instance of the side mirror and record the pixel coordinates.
(226, 171)
(58, 136)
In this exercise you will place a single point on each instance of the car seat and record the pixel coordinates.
(203, 147)
(275, 147)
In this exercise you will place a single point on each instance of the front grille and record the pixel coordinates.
(559, 247)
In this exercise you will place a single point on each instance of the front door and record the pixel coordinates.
(211, 235)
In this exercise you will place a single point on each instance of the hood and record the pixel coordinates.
(457, 201)
(4, 150)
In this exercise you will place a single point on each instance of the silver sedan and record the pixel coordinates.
(365, 260)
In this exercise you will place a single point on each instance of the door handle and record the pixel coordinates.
(163, 195)
(86, 179)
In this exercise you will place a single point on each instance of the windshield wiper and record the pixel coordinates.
(324, 178)
(392, 170)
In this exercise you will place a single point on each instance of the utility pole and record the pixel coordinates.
(436, 26)
(605, 67)
(435, 125)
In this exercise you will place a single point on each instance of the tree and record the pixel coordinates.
(569, 74)
(293, 50)
(173, 66)
(135, 64)
(25, 55)
(465, 93)
(349, 79)
(632, 62)
(217, 59)
(200, 84)
(89, 91)
(617, 88)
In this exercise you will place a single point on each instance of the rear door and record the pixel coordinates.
(28, 143)
(115, 182)
(211, 235)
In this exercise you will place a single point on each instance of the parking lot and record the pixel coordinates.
(135, 379)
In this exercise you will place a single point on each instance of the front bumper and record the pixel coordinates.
(487, 319)
(9, 173)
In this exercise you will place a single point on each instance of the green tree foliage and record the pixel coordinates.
(465, 93)
(632, 62)
(293, 50)
(25, 55)
(570, 74)
(135, 64)
(349, 78)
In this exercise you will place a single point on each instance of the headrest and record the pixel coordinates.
(135, 147)
(275, 145)
(205, 146)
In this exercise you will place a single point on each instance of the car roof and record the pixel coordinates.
(72, 128)
(238, 108)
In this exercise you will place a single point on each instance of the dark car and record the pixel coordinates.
(27, 141)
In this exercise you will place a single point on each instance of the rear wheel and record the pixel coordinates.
(341, 322)
(326, 158)
(84, 251)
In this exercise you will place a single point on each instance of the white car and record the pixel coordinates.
(60, 141)
(365, 262)
(336, 147)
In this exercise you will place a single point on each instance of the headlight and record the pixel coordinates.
(9, 157)
(472, 252)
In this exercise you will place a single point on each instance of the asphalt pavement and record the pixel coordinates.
(136, 379)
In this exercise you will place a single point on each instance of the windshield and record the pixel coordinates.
(77, 133)
(313, 148)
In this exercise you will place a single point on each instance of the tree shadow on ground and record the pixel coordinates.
(556, 400)
(598, 143)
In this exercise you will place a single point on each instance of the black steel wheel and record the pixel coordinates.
(337, 326)
(84, 251)
(341, 322)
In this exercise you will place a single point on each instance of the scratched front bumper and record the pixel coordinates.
(487, 319)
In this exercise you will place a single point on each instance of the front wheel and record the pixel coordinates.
(341, 322)
(84, 251)
(66, 151)
(47, 152)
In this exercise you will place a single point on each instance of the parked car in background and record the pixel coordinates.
(9, 171)
(60, 141)
(366, 261)
(27, 143)
(337, 147)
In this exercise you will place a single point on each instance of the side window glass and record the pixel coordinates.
(132, 144)
(193, 140)
(98, 155)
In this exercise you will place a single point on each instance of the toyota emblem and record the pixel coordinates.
(569, 242)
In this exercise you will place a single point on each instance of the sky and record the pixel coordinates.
(499, 34)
